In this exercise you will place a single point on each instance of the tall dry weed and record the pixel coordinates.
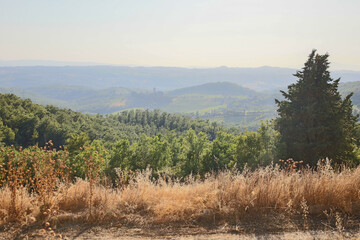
(226, 197)
(14, 175)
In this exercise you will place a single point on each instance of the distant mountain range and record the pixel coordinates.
(205, 101)
(228, 95)
(45, 63)
(161, 78)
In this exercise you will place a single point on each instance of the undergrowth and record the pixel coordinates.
(36, 191)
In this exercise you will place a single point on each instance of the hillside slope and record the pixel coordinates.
(354, 87)
(217, 88)
(209, 100)
(24, 123)
(223, 102)
(163, 78)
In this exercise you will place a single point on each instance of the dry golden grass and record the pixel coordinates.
(266, 196)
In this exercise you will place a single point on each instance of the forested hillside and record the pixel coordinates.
(134, 140)
(217, 88)
(108, 100)
(223, 102)
(24, 123)
(352, 87)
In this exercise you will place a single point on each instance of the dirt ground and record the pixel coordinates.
(82, 232)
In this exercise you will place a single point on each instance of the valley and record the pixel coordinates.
(224, 102)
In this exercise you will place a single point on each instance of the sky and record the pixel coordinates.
(182, 33)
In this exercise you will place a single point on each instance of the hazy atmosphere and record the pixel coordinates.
(201, 119)
(201, 33)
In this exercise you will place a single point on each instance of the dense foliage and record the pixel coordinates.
(23, 123)
(178, 156)
(133, 140)
(314, 122)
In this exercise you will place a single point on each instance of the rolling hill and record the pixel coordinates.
(224, 102)
(217, 88)
(234, 96)
(221, 101)
(25, 123)
(162, 78)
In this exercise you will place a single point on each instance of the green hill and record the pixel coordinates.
(89, 100)
(222, 94)
(346, 88)
(222, 101)
(24, 123)
(217, 88)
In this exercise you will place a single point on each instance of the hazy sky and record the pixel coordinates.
(189, 33)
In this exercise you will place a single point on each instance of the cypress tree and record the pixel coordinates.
(314, 121)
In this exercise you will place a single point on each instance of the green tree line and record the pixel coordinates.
(23, 123)
(177, 156)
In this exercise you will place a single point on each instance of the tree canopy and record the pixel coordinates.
(24, 123)
(314, 121)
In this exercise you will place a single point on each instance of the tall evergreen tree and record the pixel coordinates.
(314, 122)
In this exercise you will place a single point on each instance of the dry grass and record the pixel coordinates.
(267, 198)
